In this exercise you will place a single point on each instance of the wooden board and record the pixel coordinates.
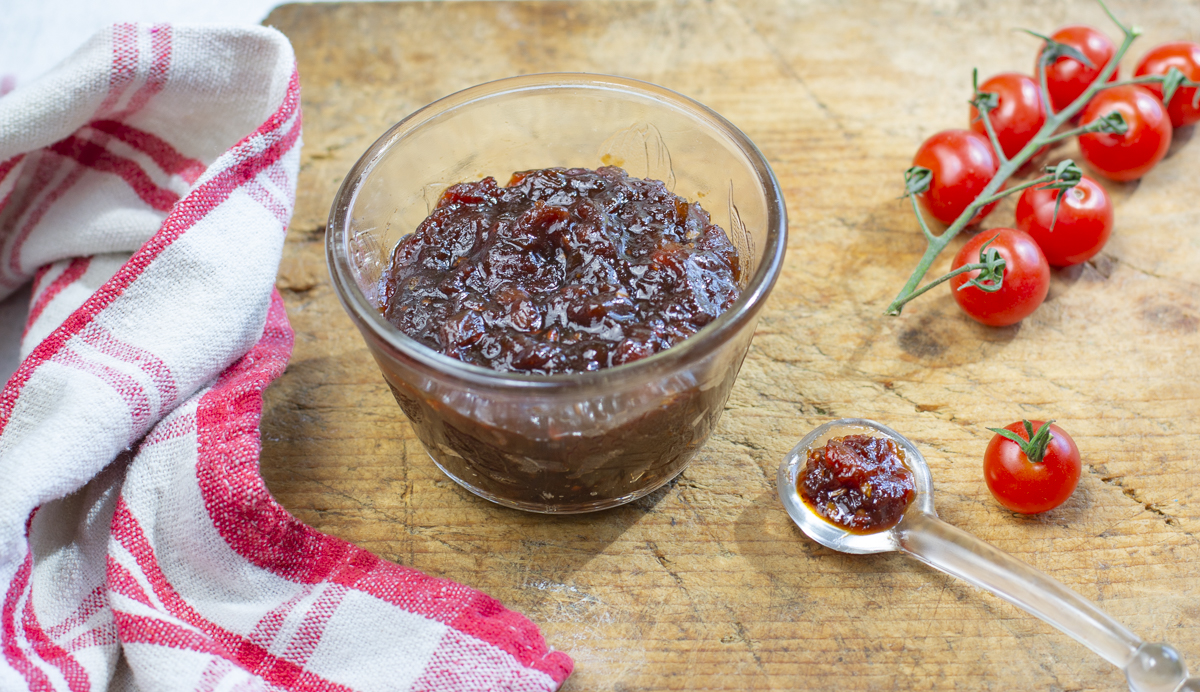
(706, 584)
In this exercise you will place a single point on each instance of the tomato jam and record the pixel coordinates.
(857, 482)
(562, 270)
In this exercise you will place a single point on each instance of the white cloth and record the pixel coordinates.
(145, 187)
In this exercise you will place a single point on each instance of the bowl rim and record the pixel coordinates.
(703, 342)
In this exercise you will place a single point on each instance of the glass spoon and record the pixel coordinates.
(1147, 666)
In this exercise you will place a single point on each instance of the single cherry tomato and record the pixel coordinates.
(1186, 57)
(1131, 155)
(1067, 78)
(1032, 477)
(1019, 115)
(961, 163)
(1085, 220)
(1026, 278)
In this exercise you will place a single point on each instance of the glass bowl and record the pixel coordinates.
(573, 442)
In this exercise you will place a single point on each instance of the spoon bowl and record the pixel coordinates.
(831, 535)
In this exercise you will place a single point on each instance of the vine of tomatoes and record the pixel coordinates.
(1063, 217)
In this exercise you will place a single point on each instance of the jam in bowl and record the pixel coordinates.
(545, 396)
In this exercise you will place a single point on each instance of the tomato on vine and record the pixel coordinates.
(1031, 466)
(1071, 225)
(1022, 285)
(1185, 57)
(1128, 155)
(1068, 77)
(1017, 114)
(960, 164)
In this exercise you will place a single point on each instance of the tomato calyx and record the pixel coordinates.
(1111, 123)
(1172, 80)
(991, 269)
(916, 180)
(984, 102)
(1066, 176)
(1034, 448)
(1054, 50)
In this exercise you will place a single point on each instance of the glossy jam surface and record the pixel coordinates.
(857, 482)
(562, 270)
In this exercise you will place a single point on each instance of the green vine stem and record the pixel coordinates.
(1008, 167)
(991, 272)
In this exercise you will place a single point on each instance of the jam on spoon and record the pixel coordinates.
(858, 482)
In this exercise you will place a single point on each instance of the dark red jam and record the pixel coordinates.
(857, 482)
(562, 270)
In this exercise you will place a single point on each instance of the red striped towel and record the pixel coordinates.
(145, 186)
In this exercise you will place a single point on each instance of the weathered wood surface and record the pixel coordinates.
(706, 584)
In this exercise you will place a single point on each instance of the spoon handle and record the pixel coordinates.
(1148, 667)
(962, 555)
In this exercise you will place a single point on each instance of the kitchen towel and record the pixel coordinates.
(145, 187)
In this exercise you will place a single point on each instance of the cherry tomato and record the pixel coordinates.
(1023, 485)
(1186, 57)
(962, 163)
(1131, 155)
(1026, 278)
(1067, 78)
(1085, 220)
(1019, 115)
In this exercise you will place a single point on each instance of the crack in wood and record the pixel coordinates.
(1153, 275)
(663, 561)
(1132, 493)
(745, 638)
(359, 501)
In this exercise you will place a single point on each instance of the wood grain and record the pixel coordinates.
(706, 585)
